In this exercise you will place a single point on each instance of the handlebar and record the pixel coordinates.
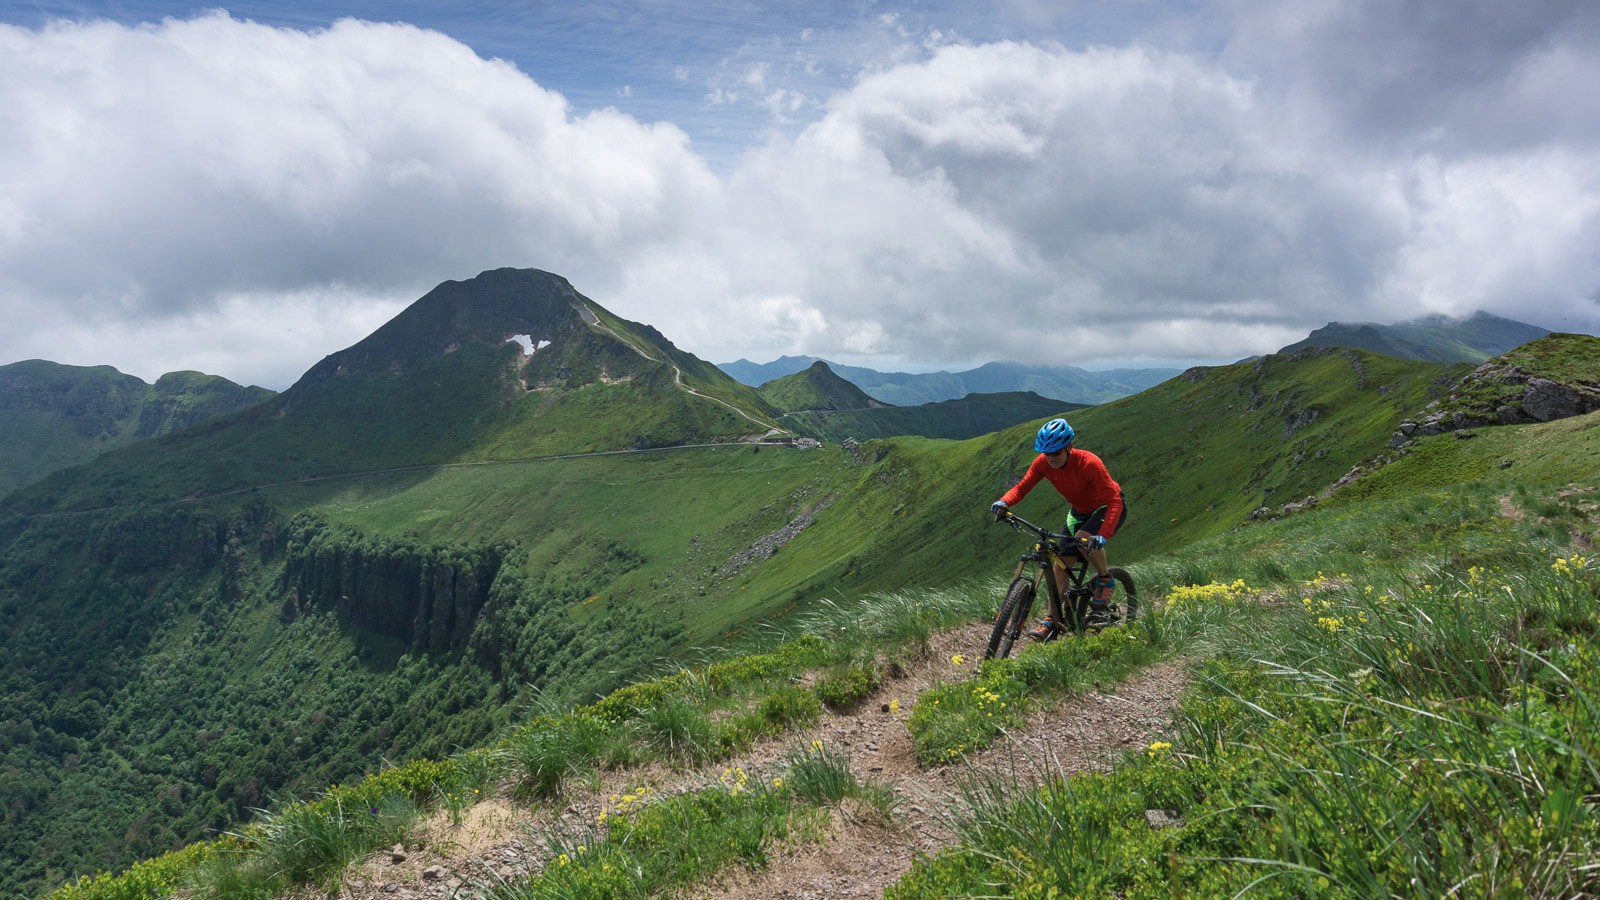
(1019, 523)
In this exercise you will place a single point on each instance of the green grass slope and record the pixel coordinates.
(817, 388)
(330, 623)
(971, 416)
(54, 416)
(1198, 454)
(1396, 695)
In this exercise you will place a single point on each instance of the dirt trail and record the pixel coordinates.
(860, 857)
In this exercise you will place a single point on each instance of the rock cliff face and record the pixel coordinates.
(180, 399)
(94, 401)
(427, 597)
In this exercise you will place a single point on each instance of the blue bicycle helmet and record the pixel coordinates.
(1055, 434)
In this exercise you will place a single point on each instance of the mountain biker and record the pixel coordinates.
(1097, 505)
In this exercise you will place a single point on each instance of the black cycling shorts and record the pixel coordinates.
(1095, 521)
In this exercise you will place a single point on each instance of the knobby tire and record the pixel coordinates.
(1127, 596)
(1013, 616)
(1130, 594)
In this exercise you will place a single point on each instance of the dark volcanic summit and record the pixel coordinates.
(488, 309)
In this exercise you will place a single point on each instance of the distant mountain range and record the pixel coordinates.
(1435, 338)
(53, 416)
(1475, 338)
(1067, 383)
(817, 403)
(968, 417)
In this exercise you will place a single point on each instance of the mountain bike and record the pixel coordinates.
(1073, 554)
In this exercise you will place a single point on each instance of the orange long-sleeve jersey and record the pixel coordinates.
(1083, 481)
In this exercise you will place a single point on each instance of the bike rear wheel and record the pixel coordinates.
(1126, 598)
(1130, 594)
(1013, 615)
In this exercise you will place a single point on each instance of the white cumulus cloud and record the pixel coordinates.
(151, 172)
(223, 195)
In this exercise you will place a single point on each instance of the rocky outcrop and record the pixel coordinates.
(1298, 419)
(1499, 393)
(428, 597)
(1544, 401)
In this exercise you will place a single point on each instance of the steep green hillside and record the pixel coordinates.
(1398, 698)
(1436, 338)
(54, 416)
(333, 618)
(1430, 646)
(817, 388)
(971, 416)
(1197, 454)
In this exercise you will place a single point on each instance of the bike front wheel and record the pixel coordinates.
(1013, 616)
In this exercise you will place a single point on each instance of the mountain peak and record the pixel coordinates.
(816, 388)
(497, 306)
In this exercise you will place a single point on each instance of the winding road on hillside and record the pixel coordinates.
(593, 321)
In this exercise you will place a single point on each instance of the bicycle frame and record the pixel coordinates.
(1069, 603)
(1050, 551)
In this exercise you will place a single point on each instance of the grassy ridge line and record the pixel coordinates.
(968, 417)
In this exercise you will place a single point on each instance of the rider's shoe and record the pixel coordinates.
(1043, 631)
(1103, 588)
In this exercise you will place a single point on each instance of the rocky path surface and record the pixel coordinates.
(497, 840)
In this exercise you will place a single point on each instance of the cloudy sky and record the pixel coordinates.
(899, 184)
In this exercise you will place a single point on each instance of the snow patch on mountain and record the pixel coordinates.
(527, 343)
